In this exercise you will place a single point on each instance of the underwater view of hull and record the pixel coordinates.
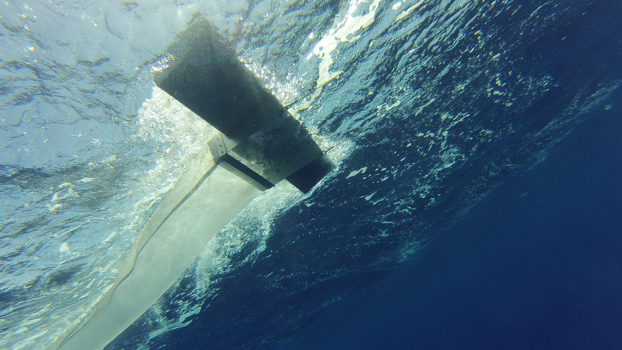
(424, 107)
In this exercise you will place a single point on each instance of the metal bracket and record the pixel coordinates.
(221, 156)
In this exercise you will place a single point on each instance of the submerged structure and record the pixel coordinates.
(259, 142)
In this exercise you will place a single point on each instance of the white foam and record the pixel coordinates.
(350, 25)
(356, 172)
(324, 48)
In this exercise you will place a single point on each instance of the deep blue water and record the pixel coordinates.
(537, 265)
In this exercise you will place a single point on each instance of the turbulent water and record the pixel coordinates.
(425, 107)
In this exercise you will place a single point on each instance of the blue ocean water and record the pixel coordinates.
(536, 265)
(475, 202)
